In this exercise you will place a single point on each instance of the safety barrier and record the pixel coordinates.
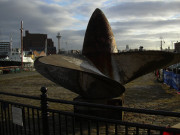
(172, 79)
(23, 119)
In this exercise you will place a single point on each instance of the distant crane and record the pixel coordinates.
(10, 47)
(21, 29)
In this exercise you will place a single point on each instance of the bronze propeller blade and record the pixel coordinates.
(100, 71)
(79, 76)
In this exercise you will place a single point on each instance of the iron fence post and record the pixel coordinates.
(44, 113)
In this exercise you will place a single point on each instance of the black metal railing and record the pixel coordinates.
(41, 120)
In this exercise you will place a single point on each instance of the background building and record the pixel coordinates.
(38, 42)
(4, 48)
(177, 47)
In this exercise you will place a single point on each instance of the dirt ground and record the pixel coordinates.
(147, 93)
(144, 92)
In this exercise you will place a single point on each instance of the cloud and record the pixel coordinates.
(35, 14)
(144, 9)
(143, 22)
(134, 23)
(38, 17)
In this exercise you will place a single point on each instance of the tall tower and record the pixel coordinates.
(58, 37)
(161, 43)
(127, 47)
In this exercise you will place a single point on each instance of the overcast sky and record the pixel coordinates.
(136, 23)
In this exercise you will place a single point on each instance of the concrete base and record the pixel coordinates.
(106, 113)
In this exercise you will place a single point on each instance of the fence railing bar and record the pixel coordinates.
(59, 115)
(119, 122)
(73, 125)
(53, 123)
(9, 120)
(116, 129)
(16, 129)
(24, 120)
(2, 118)
(0, 123)
(21, 131)
(97, 127)
(13, 126)
(20, 95)
(126, 130)
(29, 123)
(38, 121)
(66, 125)
(135, 110)
(89, 127)
(80, 125)
(20, 104)
(0, 128)
(107, 131)
(33, 122)
(137, 130)
(5, 115)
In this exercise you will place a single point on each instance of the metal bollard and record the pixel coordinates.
(44, 113)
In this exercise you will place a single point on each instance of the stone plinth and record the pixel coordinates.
(100, 112)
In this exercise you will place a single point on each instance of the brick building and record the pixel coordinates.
(36, 42)
(177, 47)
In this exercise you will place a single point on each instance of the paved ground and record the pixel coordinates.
(145, 92)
